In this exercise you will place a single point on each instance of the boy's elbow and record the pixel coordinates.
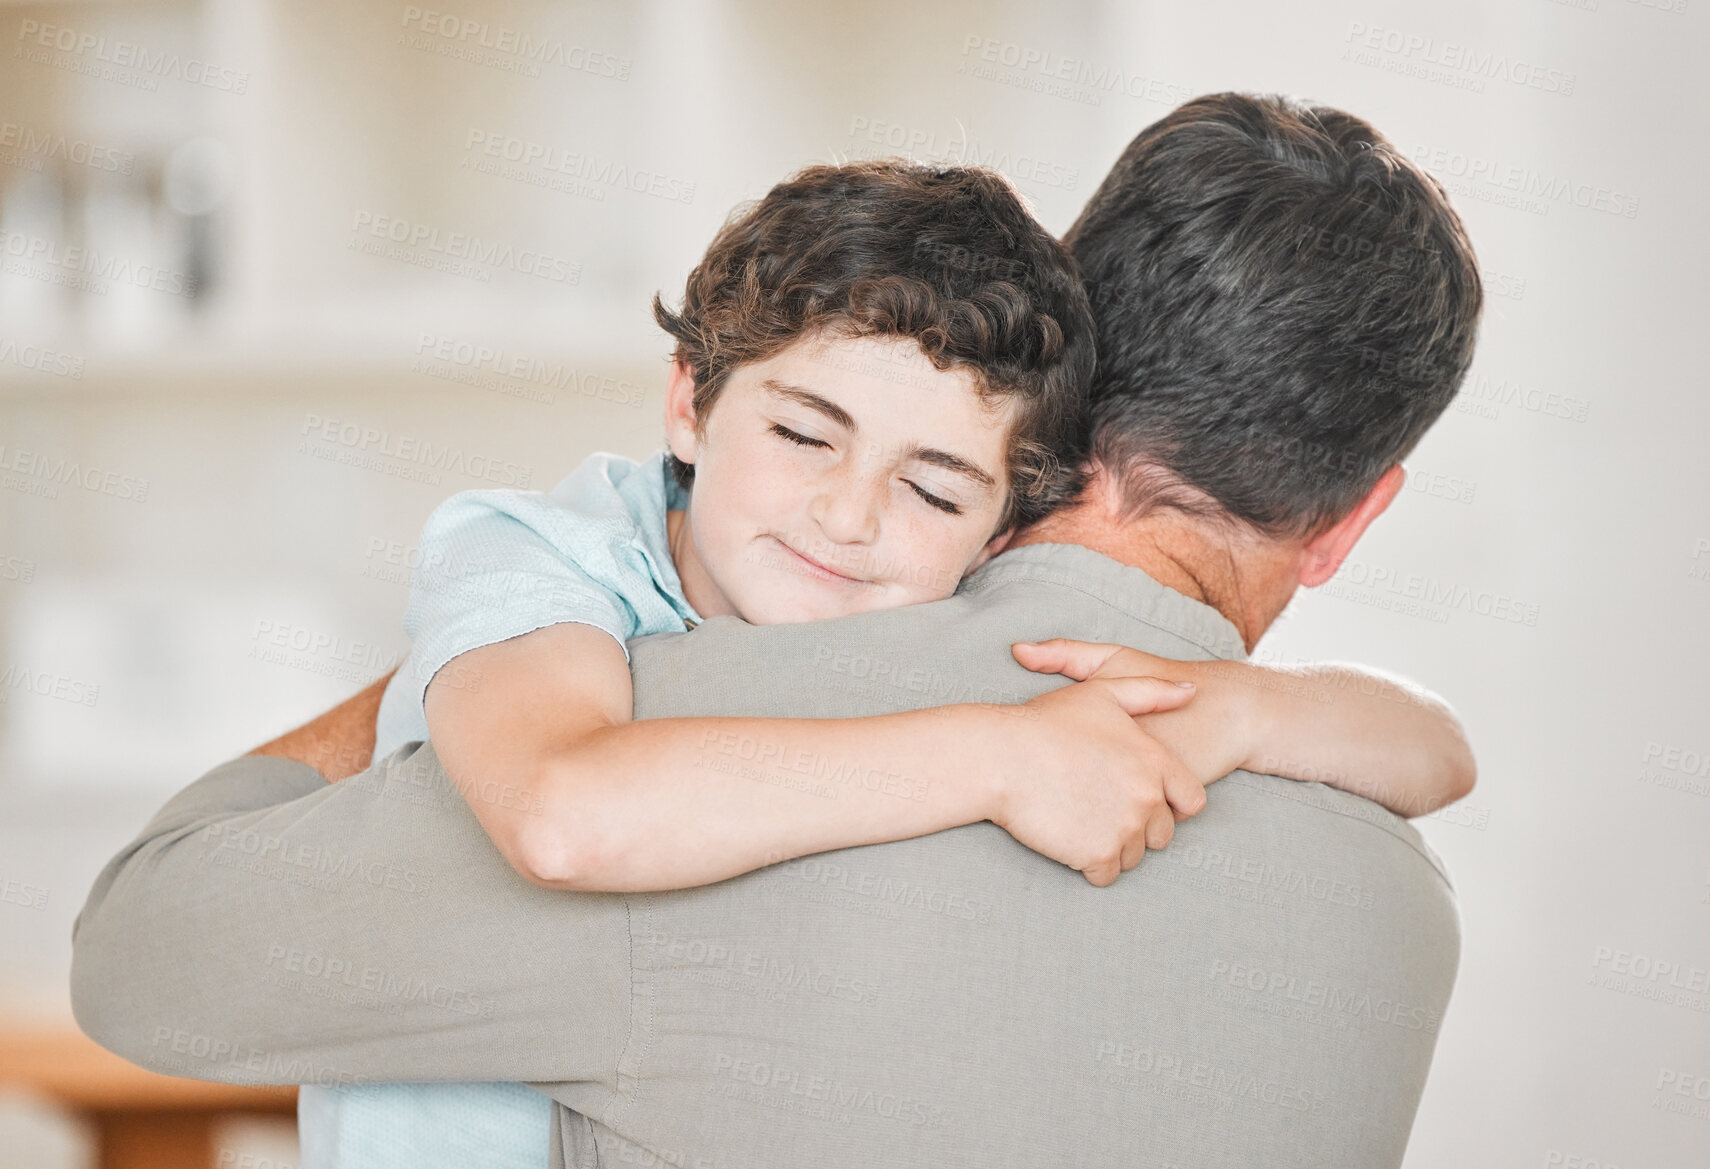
(1465, 780)
(552, 858)
(1462, 766)
(1466, 774)
(557, 837)
(1462, 777)
(542, 857)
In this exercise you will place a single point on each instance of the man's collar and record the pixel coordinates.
(1126, 588)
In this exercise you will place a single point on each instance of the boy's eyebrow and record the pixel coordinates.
(812, 401)
(839, 415)
(951, 462)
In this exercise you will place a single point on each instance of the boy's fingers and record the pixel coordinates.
(1160, 828)
(1062, 655)
(1139, 696)
(1184, 793)
(1133, 852)
(1101, 874)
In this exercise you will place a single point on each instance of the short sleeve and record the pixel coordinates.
(496, 565)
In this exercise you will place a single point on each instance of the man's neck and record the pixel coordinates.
(1248, 581)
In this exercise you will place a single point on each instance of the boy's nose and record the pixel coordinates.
(847, 510)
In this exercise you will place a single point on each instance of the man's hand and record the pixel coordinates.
(1089, 787)
(339, 743)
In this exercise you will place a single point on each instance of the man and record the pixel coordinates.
(1285, 305)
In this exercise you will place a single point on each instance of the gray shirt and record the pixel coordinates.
(1265, 991)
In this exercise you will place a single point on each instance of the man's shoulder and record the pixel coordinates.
(1313, 798)
(1026, 594)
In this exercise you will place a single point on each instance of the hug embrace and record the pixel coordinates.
(767, 801)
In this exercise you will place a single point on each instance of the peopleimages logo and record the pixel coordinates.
(1699, 569)
(1071, 78)
(1193, 1078)
(86, 269)
(959, 149)
(373, 985)
(836, 1099)
(1524, 187)
(1683, 760)
(517, 374)
(285, 644)
(18, 568)
(34, 146)
(237, 1060)
(48, 361)
(1438, 60)
(542, 164)
(444, 248)
(373, 448)
(34, 473)
(1338, 1000)
(1441, 595)
(834, 876)
(1675, 768)
(48, 685)
(277, 854)
(1673, 983)
(24, 894)
(81, 48)
(449, 34)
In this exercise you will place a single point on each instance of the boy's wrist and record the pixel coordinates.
(992, 749)
(1237, 690)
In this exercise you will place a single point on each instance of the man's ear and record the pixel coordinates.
(1322, 555)
(993, 546)
(680, 433)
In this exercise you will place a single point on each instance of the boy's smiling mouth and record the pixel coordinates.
(814, 568)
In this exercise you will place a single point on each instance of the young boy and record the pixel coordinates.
(878, 377)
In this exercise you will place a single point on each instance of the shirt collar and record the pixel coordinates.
(660, 495)
(1128, 589)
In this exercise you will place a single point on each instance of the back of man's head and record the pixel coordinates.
(1284, 305)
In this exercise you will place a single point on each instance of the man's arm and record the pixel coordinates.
(268, 927)
(340, 742)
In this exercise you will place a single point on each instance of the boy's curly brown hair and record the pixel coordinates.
(947, 256)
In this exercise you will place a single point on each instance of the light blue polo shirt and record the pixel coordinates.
(495, 565)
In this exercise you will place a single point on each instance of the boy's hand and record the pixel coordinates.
(1229, 722)
(1081, 660)
(1086, 786)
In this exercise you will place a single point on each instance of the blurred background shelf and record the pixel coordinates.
(131, 1118)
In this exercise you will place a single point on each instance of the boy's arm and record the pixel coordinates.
(1357, 729)
(1345, 726)
(339, 743)
(577, 795)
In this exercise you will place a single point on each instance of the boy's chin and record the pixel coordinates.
(797, 610)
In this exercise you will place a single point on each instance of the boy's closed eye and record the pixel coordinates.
(943, 505)
(938, 502)
(783, 431)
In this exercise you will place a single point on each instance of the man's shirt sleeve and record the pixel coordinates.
(268, 927)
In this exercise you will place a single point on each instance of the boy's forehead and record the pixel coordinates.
(883, 366)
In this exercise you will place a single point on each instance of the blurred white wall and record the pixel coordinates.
(224, 419)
